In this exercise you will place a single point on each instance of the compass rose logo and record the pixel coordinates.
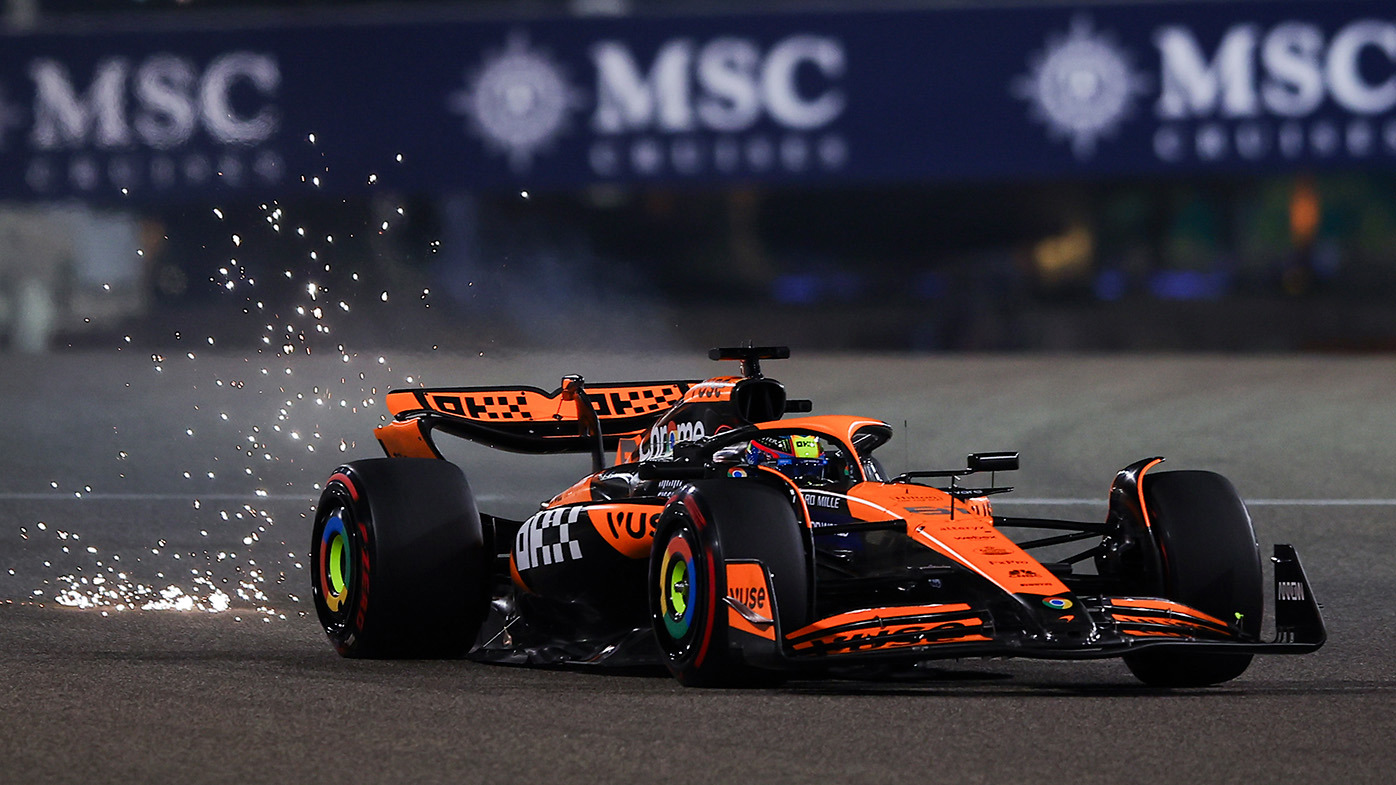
(519, 101)
(1082, 86)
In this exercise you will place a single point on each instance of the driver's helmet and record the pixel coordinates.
(799, 457)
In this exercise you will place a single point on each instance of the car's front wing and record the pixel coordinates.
(1117, 626)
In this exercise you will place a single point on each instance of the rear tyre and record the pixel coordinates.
(714, 521)
(1211, 562)
(398, 560)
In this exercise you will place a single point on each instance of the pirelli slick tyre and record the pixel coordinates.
(1210, 562)
(707, 524)
(398, 560)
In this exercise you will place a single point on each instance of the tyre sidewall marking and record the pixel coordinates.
(334, 533)
(701, 526)
(358, 538)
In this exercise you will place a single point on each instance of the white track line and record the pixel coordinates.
(310, 496)
(152, 497)
(1249, 502)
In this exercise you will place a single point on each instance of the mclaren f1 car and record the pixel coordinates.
(738, 545)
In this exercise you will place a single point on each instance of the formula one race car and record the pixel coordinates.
(737, 546)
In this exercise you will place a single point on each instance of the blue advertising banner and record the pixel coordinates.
(928, 95)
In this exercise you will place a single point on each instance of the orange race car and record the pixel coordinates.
(737, 545)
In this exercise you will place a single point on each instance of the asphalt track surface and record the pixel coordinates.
(124, 487)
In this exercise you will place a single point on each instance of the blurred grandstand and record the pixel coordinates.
(1286, 254)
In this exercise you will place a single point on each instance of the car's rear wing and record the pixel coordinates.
(572, 418)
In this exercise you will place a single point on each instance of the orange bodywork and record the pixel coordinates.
(718, 388)
(629, 528)
(1182, 624)
(747, 584)
(967, 536)
(1143, 507)
(529, 404)
(889, 628)
(1144, 616)
(875, 615)
(405, 439)
(1165, 606)
(838, 642)
(837, 426)
(578, 493)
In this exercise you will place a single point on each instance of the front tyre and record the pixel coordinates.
(398, 560)
(1210, 562)
(712, 522)
(686, 617)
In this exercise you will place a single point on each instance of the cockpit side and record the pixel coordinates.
(830, 453)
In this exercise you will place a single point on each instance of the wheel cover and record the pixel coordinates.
(336, 565)
(678, 587)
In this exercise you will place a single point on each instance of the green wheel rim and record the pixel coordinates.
(678, 588)
(339, 564)
(336, 563)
